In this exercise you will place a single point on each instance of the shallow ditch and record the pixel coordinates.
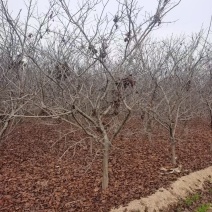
(187, 191)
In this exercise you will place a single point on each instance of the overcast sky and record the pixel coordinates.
(190, 15)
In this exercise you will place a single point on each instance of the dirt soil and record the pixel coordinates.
(34, 177)
(173, 198)
(200, 198)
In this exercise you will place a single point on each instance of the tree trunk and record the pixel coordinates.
(148, 127)
(185, 128)
(173, 146)
(105, 179)
(211, 130)
(210, 111)
(4, 129)
(211, 141)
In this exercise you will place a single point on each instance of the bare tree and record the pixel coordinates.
(172, 71)
(18, 42)
(78, 69)
(111, 89)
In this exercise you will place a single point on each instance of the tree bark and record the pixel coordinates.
(173, 146)
(3, 130)
(210, 129)
(149, 128)
(105, 179)
(211, 140)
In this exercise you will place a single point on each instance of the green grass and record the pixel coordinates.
(190, 200)
(203, 208)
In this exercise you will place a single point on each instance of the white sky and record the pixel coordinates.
(190, 15)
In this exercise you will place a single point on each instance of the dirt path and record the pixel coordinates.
(180, 189)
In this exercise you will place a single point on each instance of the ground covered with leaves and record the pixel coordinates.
(36, 175)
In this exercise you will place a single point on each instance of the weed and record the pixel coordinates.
(203, 208)
(190, 200)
